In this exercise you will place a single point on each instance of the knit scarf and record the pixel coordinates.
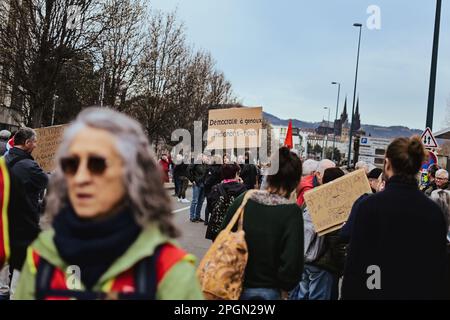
(93, 245)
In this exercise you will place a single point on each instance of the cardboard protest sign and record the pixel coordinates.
(234, 128)
(49, 139)
(330, 204)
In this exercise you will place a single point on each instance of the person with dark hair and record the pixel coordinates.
(213, 177)
(29, 181)
(180, 180)
(111, 218)
(197, 175)
(221, 197)
(273, 228)
(398, 236)
(324, 257)
(373, 177)
(249, 173)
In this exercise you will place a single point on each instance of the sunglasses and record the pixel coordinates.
(95, 164)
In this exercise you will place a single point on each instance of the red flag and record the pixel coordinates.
(10, 144)
(288, 141)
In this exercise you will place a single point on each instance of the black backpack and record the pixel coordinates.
(144, 279)
(218, 211)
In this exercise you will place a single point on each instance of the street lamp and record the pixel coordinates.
(334, 126)
(358, 25)
(102, 90)
(434, 58)
(55, 97)
(324, 153)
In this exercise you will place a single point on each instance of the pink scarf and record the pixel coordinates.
(229, 181)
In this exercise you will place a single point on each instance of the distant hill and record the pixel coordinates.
(296, 123)
(390, 132)
(372, 130)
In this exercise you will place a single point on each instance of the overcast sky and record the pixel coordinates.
(283, 55)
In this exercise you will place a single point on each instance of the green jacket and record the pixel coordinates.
(274, 234)
(179, 282)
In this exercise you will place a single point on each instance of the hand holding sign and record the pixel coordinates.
(330, 204)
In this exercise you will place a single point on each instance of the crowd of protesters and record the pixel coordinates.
(387, 228)
(110, 214)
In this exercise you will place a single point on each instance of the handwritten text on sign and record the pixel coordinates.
(330, 204)
(234, 128)
(49, 140)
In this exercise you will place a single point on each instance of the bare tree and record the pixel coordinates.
(38, 38)
(120, 49)
(161, 65)
(92, 51)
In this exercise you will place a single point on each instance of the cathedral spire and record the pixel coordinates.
(344, 115)
(357, 117)
(357, 106)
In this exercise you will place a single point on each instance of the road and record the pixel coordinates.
(193, 234)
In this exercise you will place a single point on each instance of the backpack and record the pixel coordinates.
(314, 244)
(218, 211)
(144, 278)
(221, 271)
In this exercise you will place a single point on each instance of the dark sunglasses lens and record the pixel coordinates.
(70, 165)
(97, 165)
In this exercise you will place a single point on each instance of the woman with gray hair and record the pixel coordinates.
(112, 234)
(442, 198)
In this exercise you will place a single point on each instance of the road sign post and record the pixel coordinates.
(428, 139)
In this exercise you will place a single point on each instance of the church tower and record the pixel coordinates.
(357, 118)
(342, 121)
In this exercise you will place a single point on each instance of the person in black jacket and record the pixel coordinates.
(397, 247)
(197, 174)
(180, 179)
(249, 173)
(28, 182)
(213, 177)
(431, 183)
(222, 196)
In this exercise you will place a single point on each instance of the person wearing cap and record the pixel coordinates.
(373, 176)
(4, 137)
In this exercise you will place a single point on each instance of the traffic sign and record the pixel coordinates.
(428, 139)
